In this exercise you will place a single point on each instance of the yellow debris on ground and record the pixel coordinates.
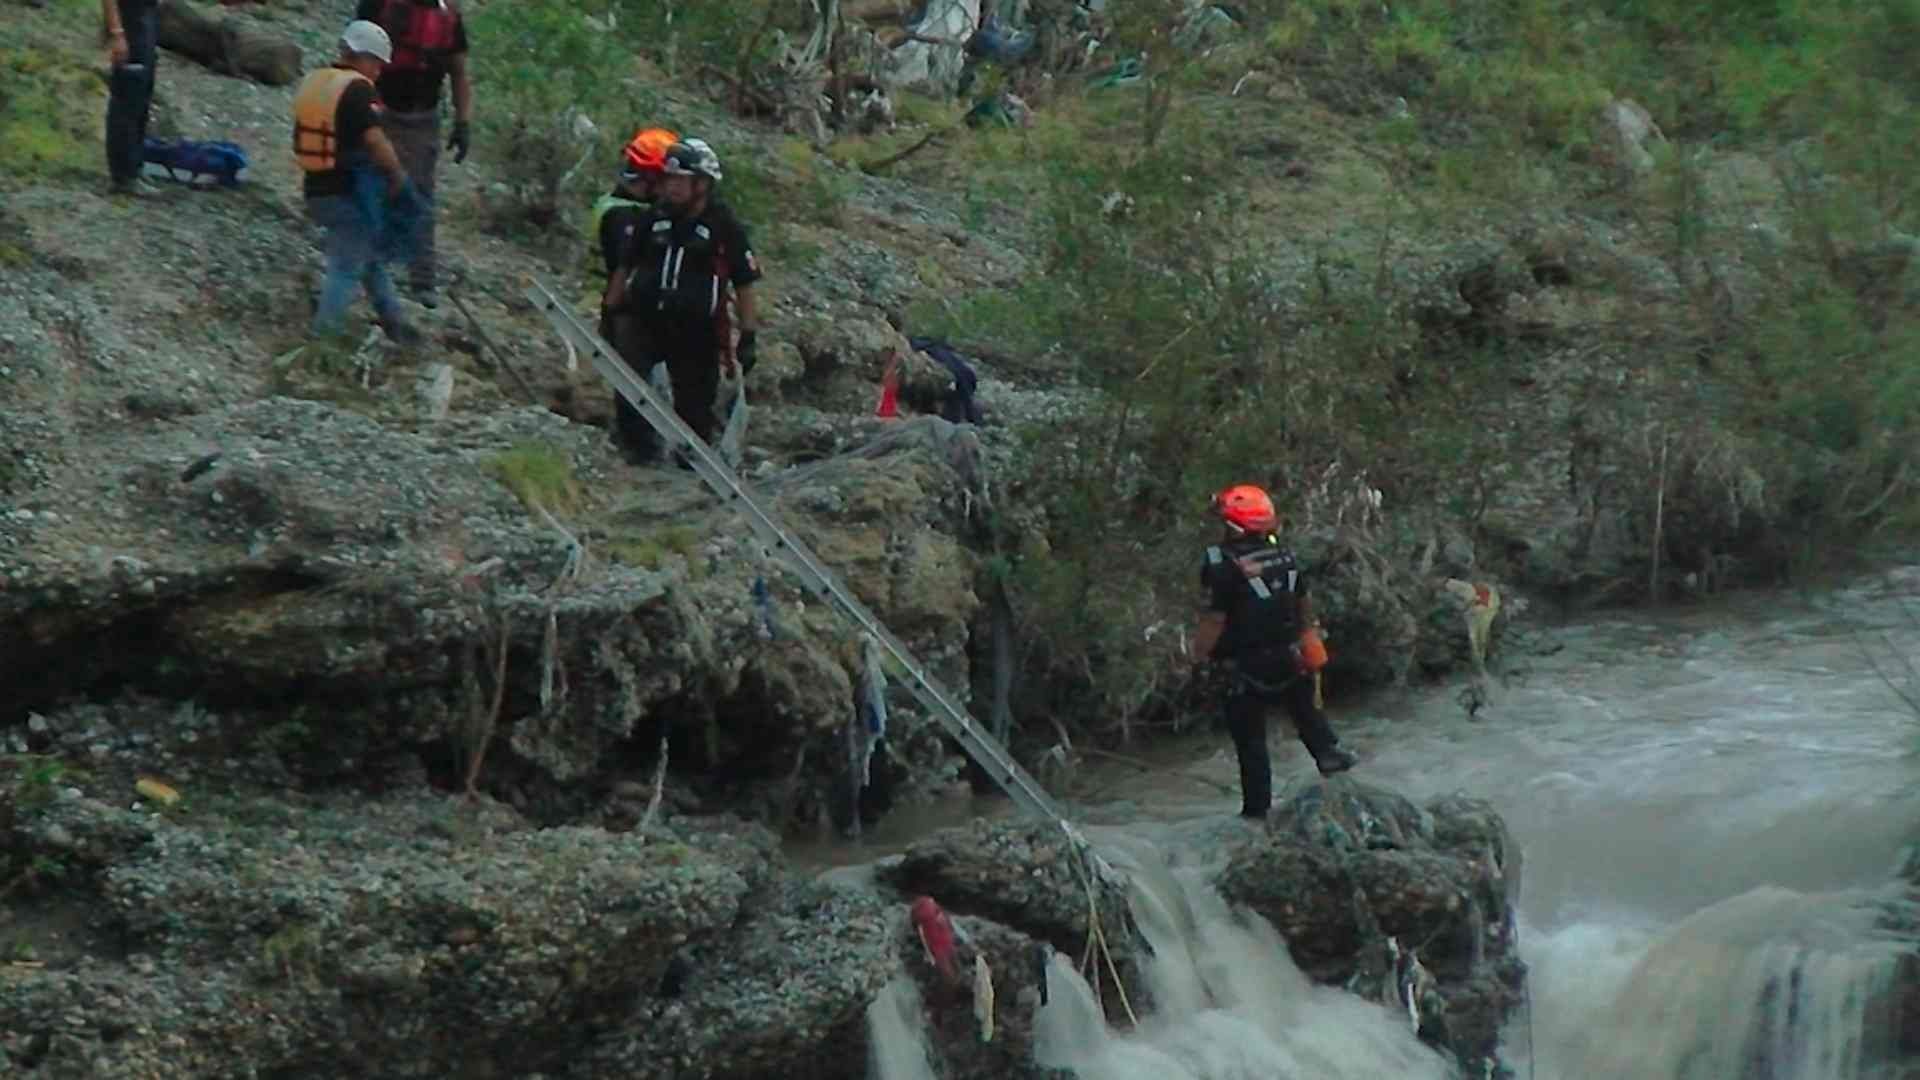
(153, 789)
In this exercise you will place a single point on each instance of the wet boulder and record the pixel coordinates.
(1030, 877)
(955, 1036)
(1394, 901)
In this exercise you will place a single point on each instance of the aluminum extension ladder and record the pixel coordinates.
(708, 465)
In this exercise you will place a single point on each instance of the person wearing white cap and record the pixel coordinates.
(336, 133)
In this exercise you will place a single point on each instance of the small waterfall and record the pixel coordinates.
(896, 1034)
(1770, 985)
(1231, 1004)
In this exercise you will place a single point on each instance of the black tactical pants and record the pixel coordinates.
(1247, 706)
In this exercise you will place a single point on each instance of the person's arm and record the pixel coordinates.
(744, 271)
(380, 149)
(749, 314)
(616, 294)
(461, 140)
(1211, 623)
(1206, 634)
(613, 237)
(462, 88)
(116, 33)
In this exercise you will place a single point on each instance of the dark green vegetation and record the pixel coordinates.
(1405, 244)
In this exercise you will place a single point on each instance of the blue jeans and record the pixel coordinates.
(353, 259)
(130, 92)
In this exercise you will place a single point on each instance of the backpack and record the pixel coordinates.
(959, 406)
(224, 161)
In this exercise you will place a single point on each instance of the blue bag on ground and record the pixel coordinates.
(223, 161)
(1001, 44)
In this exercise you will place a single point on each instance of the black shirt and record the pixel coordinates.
(1262, 618)
(618, 225)
(352, 119)
(677, 264)
(412, 89)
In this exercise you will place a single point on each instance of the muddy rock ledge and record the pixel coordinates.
(332, 590)
(424, 936)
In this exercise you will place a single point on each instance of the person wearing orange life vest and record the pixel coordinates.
(429, 51)
(337, 135)
(1258, 617)
(616, 216)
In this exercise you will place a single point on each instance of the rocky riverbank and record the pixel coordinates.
(203, 934)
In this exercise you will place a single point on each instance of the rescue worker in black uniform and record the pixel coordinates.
(616, 219)
(1256, 612)
(687, 257)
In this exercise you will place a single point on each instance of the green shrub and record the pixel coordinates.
(681, 36)
(50, 109)
(561, 95)
(539, 476)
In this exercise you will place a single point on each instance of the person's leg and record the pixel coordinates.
(1310, 724)
(130, 97)
(416, 141)
(386, 303)
(693, 364)
(345, 264)
(631, 433)
(148, 48)
(1247, 723)
(352, 264)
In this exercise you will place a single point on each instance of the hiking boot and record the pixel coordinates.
(137, 188)
(1336, 761)
(401, 333)
(427, 296)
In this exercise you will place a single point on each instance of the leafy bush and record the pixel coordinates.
(560, 99)
(50, 104)
(683, 35)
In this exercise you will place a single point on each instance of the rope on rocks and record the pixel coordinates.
(1097, 936)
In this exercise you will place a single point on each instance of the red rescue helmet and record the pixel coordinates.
(1246, 508)
(647, 152)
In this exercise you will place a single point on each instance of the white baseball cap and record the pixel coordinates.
(367, 39)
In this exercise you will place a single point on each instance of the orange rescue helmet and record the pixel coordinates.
(1246, 508)
(646, 153)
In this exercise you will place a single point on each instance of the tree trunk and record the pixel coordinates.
(228, 44)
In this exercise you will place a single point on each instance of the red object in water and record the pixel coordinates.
(890, 390)
(936, 933)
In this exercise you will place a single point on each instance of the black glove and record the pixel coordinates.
(460, 141)
(747, 352)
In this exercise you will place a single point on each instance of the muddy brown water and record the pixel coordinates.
(1707, 800)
